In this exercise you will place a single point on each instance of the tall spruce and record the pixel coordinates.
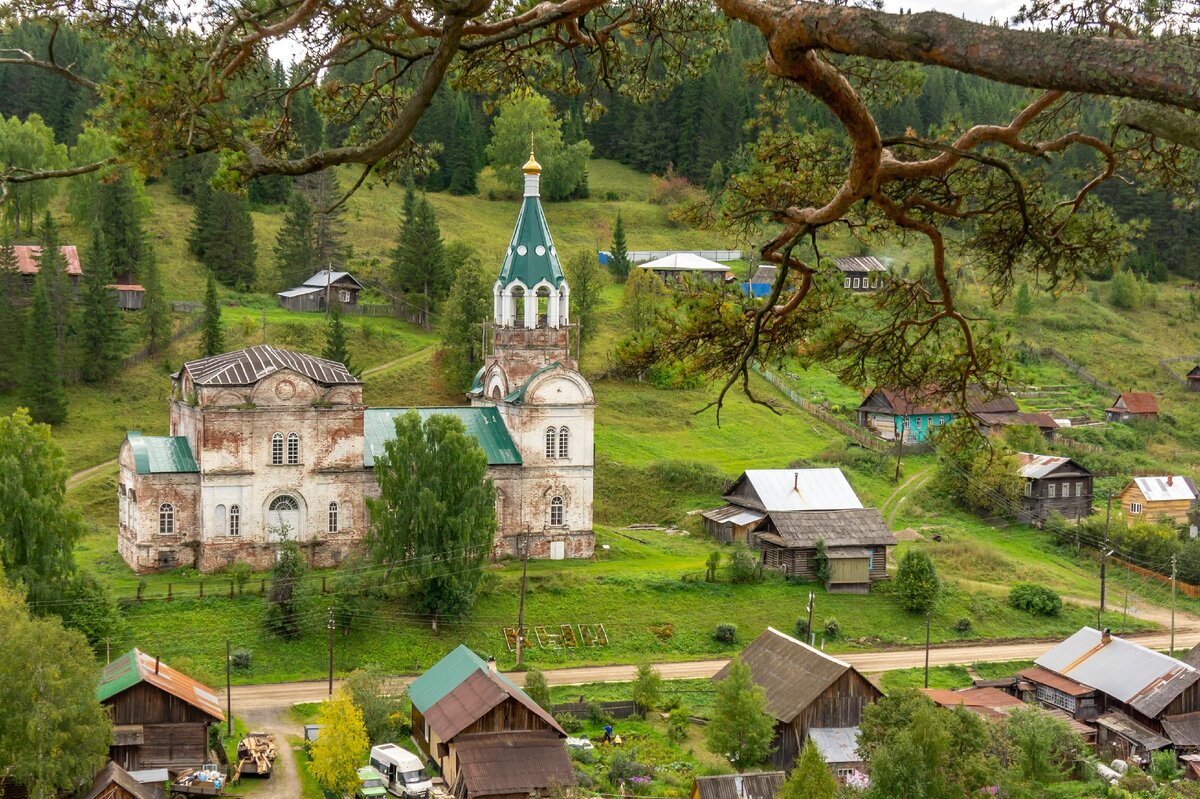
(120, 222)
(461, 160)
(12, 314)
(336, 348)
(41, 387)
(619, 253)
(469, 303)
(419, 260)
(52, 268)
(329, 227)
(222, 237)
(156, 314)
(407, 219)
(102, 346)
(212, 337)
(295, 245)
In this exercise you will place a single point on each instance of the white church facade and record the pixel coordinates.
(267, 444)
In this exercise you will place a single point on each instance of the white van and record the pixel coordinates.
(403, 772)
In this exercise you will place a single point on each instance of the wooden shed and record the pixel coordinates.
(130, 296)
(1131, 406)
(1157, 497)
(114, 782)
(512, 765)
(27, 263)
(1193, 379)
(341, 288)
(1053, 483)
(160, 716)
(805, 688)
(855, 539)
(762, 785)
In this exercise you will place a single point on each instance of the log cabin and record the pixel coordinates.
(855, 543)
(861, 273)
(916, 414)
(758, 492)
(160, 716)
(338, 288)
(1131, 406)
(1153, 498)
(114, 782)
(1053, 484)
(805, 689)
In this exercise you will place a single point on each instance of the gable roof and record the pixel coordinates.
(135, 667)
(1136, 402)
(861, 263)
(1194, 374)
(531, 256)
(513, 763)
(929, 400)
(1145, 680)
(684, 262)
(856, 527)
(797, 489)
(792, 673)
(1166, 488)
(112, 774)
(990, 702)
(299, 291)
(328, 278)
(763, 785)
(484, 424)
(1036, 467)
(1042, 421)
(27, 255)
(245, 367)
(161, 454)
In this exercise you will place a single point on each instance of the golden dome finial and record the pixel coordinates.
(532, 167)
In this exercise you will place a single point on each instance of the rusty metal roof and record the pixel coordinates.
(860, 527)
(1056, 681)
(135, 666)
(507, 763)
(791, 672)
(247, 366)
(763, 785)
(27, 255)
(1135, 402)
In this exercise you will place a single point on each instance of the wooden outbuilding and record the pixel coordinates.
(993, 424)
(916, 414)
(758, 492)
(1193, 379)
(512, 765)
(862, 273)
(27, 263)
(462, 696)
(760, 785)
(114, 782)
(325, 287)
(1131, 406)
(805, 689)
(838, 747)
(1052, 484)
(1169, 497)
(160, 716)
(855, 540)
(130, 296)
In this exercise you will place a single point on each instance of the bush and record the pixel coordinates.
(962, 626)
(917, 582)
(1036, 599)
(677, 725)
(742, 568)
(802, 629)
(240, 660)
(832, 628)
(597, 714)
(239, 572)
(568, 722)
(726, 633)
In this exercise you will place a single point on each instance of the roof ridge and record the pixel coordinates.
(809, 648)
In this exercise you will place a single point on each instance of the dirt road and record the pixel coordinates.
(284, 782)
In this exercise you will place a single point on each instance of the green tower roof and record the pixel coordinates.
(531, 257)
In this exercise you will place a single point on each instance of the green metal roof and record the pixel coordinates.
(477, 381)
(519, 394)
(485, 425)
(119, 675)
(446, 675)
(531, 256)
(161, 454)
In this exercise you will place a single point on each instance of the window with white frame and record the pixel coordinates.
(1135, 507)
(551, 441)
(1079, 489)
(235, 520)
(556, 512)
(564, 442)
(293, 448)
(1056, 698)
(856, 283)
(166, 519)
(847, 282)
(333, 517)
(1051, 490)
(1029, 488)
(277, 449)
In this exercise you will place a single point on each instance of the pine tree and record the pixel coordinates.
(469, 303)
(295, 246)
(619, 253)
(1023, 303)
(12, 315)
(329, 228)
(407, 220)
(156, 314)
(419, 259)
(42, 388)
(52, 265)
(222, 237)
(212, 338)
(335, 339)
(120, 223)
(102, 345)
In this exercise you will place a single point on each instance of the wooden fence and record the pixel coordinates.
(581, 710)
(1187, 589)
(1077, 370)
(191, 326)
(399, 308)
(849, 430)
(1165, 366)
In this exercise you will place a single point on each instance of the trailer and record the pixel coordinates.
(204, 781)
(256, 754)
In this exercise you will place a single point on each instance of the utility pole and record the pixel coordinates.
(331, 626)
(228, 692)
(1104, 553)
(899, 447)
(521, 605)
(927, 618)
(107, 650)
(1173, 564)
(811, 600)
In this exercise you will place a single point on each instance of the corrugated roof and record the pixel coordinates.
(161, 454)
(247, 366)
(792, 673)
(443, 676)
(683, 262)
(858, 527)
(765, 273)
(513, 763)
(862, 263)
(1056, 681)
(27, 255)
(1136, 402)
(990, 702)
(763, 785)
(1118, 722)
(321, 281)
(836, 744)
(799, 489)
(1165, 489)
(484, 424)
(1042, 421)
(299, 291)
(1038, 466)
(464, 704)
(531, 256)
(734, 514)
(1145, 680)
(136, 666)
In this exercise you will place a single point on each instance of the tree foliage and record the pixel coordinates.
(342, 747)
(295, 249)
(336, 346)
(42, 389)
(537, 688)
(740, 728)
(102, 341)
(917, 582)
(811, 778)
(419, 260)
(1038, 748)
(587, 280)
(12, 313)
(643, 297)
(156, 313)
(119, 216)
(468, 306)
(212, 336)
(382, 713)
(527, 120)
(618, 261)
(435, 518)
(647, 688)
(285, 597)
(222, 237)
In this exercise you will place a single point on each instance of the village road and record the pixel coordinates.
(284, 782)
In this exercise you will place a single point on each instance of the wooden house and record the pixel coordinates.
(27, 263)
(760, 785)
(855, 541)
(1123, 689)
(917, 414)
(512, 765)
(114, 782)
(160, 716)
(760, 491)
(993, 424)
(339, 287)
(1153, 498)
(1131, 406)
(1193, 379)
(805, 689)
(130, 296)
(462, 696)
(995, 704)
(862, 273)
(761, 281)
(1053, 484)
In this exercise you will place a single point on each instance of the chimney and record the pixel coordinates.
(491, 664)
(1105, 637)
(1170, 480)
(156, 660)
(796, 481)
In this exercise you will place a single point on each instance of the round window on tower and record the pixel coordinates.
(540, 250)
(554, 251)
(521, 250)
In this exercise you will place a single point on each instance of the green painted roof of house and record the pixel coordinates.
(446, 675)
(484, 424)
(161, 454)
(136, 667)
(519, 394)
(119, 675)
(531, 256)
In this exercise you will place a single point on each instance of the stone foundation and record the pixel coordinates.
(326, 553)
(576, 544)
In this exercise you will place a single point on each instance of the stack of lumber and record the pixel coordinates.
(256, 753)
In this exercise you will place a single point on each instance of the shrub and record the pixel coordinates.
(962, 626)
(240, 574)
(677, 725)
(821, 562)
(240, 660)
(917, 582)
(726, 633)
(711, 564)
(802, 629)
(597, 714)
(568, 722)
(1036, 599)
(832, 628)
(742, 568)
(623, 766)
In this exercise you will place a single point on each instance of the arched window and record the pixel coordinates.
(333, 517)
(219, 520)
(235, 520)
(166, 519)
(277, 449)
(556, 512)
(293, 448)
(564, 440)
(284, 502)
(551, 439)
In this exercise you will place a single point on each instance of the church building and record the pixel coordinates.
(268, 445)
